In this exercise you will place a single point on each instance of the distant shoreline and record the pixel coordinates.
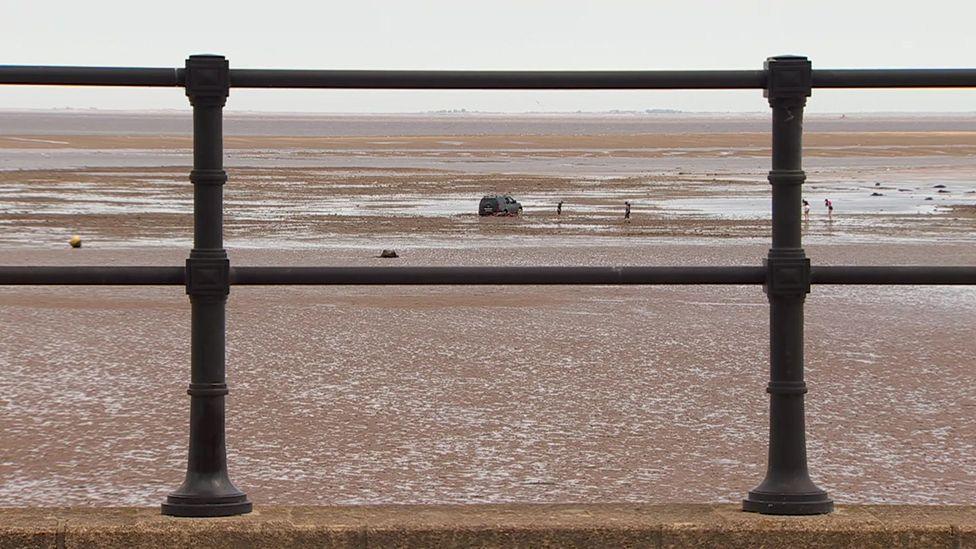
(245, 123)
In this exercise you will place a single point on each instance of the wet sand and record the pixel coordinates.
(487, 394)
(390, 207)
(552, 394)
(892, 143)
(243, 123)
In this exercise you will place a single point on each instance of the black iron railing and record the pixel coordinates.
(786, 273)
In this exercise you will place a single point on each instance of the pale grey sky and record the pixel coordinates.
(499, 34)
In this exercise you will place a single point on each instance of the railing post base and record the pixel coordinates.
(793, 503)
(179, 506)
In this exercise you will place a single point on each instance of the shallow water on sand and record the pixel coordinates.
(312, 208)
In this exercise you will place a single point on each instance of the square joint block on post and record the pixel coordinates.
(788, 76)
(207, 80)
(207, 277)
(787, 276)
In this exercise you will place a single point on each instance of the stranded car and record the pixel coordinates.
(499, 205)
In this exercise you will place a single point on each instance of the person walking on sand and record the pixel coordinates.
(559, 208)
(806, 209)
(627, 211)
(830, 207)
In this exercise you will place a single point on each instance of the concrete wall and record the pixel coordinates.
(610, 525)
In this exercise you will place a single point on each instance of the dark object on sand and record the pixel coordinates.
(876, 184)
(500, 204)
(939, 186)
(928, 198)
(943, 191)
(388, 253)
(876, 194)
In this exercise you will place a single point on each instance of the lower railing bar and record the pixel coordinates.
(92, 276)
(495, 275)
(162, 276)
(894, 275)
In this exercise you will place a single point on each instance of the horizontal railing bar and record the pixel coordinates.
(495, 275)
(497, 80)
(486, 80)
(894, 78)
(92, 276)
(921, 276)
(90, 76)
(150, 276)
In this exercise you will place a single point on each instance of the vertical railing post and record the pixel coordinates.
(207, 490)
(787, 488)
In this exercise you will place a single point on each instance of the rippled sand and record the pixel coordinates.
(353, 395)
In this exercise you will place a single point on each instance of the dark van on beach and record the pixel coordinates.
(499, 205)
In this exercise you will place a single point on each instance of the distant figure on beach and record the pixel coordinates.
(830, 207)
(559, 208)
(806, 209)
(627, 211)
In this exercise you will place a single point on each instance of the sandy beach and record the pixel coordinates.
(487, 394)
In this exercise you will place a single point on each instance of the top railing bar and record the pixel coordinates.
(390, 79)
(90, 76)
(497, 80)
(894, 78)
(592, 80)
(486, 80)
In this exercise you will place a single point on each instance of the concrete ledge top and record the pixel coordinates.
(517, 525)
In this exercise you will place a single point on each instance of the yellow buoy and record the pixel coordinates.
(75, 241)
